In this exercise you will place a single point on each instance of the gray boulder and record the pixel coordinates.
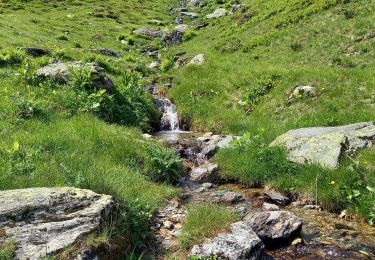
(61, 72)
(217, 13)
(241, 243)
(326, 145)
(149, 33)
(43, 221)
(207, 172)
(274, 226)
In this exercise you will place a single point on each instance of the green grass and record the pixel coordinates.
(87, 153)
(7, 251)
(254, 59)
(204, 221)
(73, 134)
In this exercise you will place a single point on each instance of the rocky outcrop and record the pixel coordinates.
(241, 243)
(274, 226)
(61, 73)
(326, 146)
(217, 13)
(205, 173)
(43, 221)
(149, 33)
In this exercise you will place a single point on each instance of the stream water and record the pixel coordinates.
(324, 235)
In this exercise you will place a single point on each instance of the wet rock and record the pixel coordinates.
(43, 221)
(149, 33)
(302, 91)
(217, 13)
(61, 72)
(226, 196)
(241, 243)
(190, 15)
(326, 146)
(168, 224)
(270, 207)
(231, 197)
(274, 226)
(106, 52)
(205, 173)
(35, 52)
(315, 207)
(276, 197)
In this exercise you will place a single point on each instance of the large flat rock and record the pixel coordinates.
(43, 221)
(326, 145)
(241, 243)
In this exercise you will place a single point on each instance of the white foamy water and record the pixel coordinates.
(169, 120)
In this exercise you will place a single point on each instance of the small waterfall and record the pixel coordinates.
(169, 121)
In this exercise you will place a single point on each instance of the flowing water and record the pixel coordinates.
(169, 120)
(324, 235)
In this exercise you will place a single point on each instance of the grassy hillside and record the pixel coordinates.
(73, 134)
(54, 134)
(257, 56)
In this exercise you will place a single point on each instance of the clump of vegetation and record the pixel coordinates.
(260, 87)
(204, 221)
(167, 64)
(7, 251)
(11, 57)
(62, 37)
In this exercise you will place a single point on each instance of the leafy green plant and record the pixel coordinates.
(166, 64)
(165, 165)
(7, 251)
(21, 159)
(189, 34)
(81, 79)
(11, 57)
(259, 88)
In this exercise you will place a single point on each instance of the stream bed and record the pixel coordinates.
(324, 235)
